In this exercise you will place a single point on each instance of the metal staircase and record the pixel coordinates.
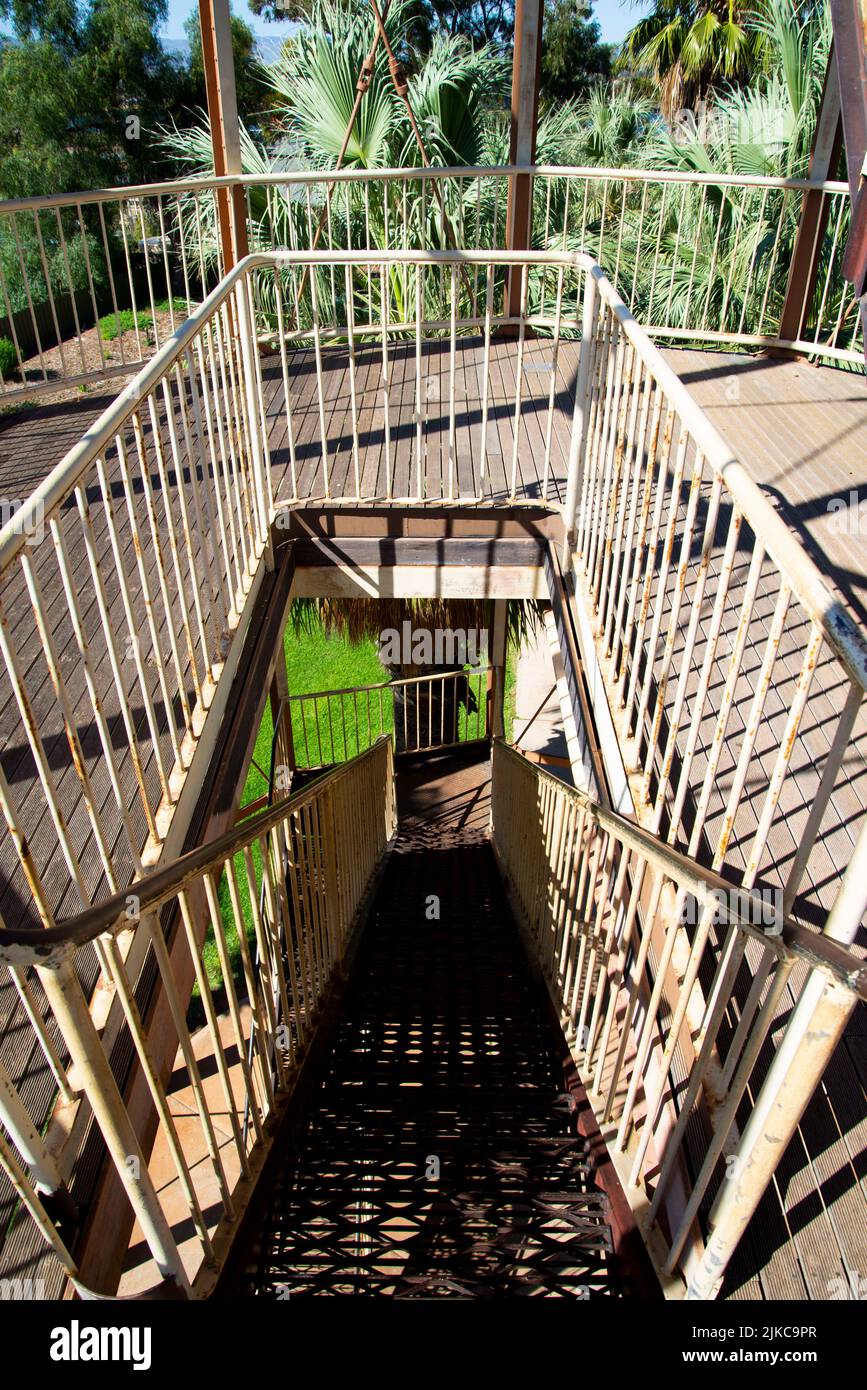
(439, 1156)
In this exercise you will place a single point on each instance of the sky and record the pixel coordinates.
(614, 17)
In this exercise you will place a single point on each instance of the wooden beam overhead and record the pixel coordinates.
(824, 159)
(849, 20)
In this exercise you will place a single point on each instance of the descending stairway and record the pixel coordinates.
(438, 1156)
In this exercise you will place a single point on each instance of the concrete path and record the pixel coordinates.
(536, 686)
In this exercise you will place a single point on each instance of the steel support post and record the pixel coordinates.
(825, 156)
(813, 1032)
(216, 27)
(575, 471)
(526, 73)
(497, 660)
(68, 1004)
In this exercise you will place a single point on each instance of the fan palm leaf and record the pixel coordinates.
(315, 78)
(448, 96)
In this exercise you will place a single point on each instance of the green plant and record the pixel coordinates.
(8, 359)
(23, 253)
(455, 91)
(125, 320)
(691, 48)
(718, 242)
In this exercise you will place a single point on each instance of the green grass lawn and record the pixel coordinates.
(509, 691)
(314, 662)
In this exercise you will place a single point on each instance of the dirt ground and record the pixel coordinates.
(91, 354)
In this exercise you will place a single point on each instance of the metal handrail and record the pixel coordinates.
(281, 177)
(53, 947)
(57, 486)
(53, 491)
(50, 945)
(599, 899)
(806, 579)
(780, 542)
(159, 240)
(314, 894)
(384, 685)
(795, 566)
(709, 888)
(425, 733)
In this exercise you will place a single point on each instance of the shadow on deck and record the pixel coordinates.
(439, 1154)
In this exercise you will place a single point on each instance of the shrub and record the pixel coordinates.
(8, 359)
(110, 325)
(67, 264)
(113, 324)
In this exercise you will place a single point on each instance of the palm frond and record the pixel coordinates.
(315, 80)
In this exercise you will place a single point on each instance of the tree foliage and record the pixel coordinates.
(87, 86)
(450, 91)
(573, 54)
(251, 87)
(83, 86)
(694, 47)
(482, 21)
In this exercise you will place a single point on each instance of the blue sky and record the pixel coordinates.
(614, 17)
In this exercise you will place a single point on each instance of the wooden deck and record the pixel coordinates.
(802, 431)
(452, 467)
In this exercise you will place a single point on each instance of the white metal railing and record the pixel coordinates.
(440, 710)
(689, 580)
(475, 420)
(277, 899)
(91, 284)
(126, 574)
(704, 257)
(124, 579)
(694, 1117)
(701, 257)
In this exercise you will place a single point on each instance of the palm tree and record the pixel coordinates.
(765, 129)
(692, 48)
(453, 91)
(613, 125)
(314, 84)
